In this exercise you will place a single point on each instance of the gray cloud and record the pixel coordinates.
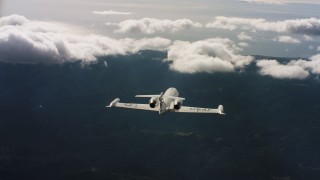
(309, 26)
(152, 25)
(25, 41)
(210, 55)
(281, 2)
(264, 1)
(1, 6)
(243, 44)
(112, 12)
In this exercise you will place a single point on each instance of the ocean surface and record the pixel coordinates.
(54, 124)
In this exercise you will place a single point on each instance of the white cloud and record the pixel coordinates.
(14, 20)
(244, 36)
(210, 56)
(280, 71)
(318, 48)
(112, 12)
(279, 2)
(152, 25)
(295, 69)
(309, 26)
(221, 22)
(313, 64)
(25, 41)
(287, 39)
(135, 45)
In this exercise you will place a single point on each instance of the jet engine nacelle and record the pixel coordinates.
(153, 102)
(177, 104)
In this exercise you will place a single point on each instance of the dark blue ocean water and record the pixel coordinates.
(54, 124)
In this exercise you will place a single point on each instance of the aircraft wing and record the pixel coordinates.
(116, 103)
(187, 109)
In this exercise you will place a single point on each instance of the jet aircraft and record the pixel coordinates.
(165, 102)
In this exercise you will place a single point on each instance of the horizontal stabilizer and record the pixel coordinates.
(160, 95)
(174, 97)
(148, 96)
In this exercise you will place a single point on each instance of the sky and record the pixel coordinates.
(200, 36)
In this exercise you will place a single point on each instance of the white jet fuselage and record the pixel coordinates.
(167, 103)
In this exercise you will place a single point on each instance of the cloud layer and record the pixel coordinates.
(25, 41)
(309, 26)
(210, 56)
(152, 25)
(279, 2)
